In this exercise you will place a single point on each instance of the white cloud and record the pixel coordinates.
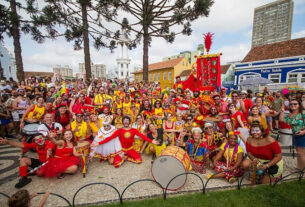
(234, 52)
(298, 34)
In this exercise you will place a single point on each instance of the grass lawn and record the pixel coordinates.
(286, 194)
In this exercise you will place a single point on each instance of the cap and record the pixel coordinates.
(196, 130)
(208, 124)
(243, 92)
(173, 90)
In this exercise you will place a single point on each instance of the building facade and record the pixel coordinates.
(283, 63)
(272, 23)
(65, 71)
(97, 70)
(165, 72)
(189, 55)
(7, 63)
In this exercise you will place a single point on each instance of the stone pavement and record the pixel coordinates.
(100, 172)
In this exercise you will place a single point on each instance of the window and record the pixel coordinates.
(164, 76)
(169, 75)
(158, 76)
(150, 77)
(246, 76)
(122, 74)
(302, 77)
(155, 77)
(275, 78)
(292, 78)
(127, 73)
(10, 69)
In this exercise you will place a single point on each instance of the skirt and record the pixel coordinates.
(298, 141)
(107, 150)
(56, 166)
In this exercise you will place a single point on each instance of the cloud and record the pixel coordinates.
(298, 34)
(234, 52)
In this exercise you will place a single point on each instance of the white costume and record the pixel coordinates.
(109, 149)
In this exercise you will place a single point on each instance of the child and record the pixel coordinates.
(22, 198)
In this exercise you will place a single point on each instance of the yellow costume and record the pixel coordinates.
(93, 126)
(81, 134)
(36, 113)
(127, 108)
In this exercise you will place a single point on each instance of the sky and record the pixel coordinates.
(230, 21)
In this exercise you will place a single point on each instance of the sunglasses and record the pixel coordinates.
(293, 104)
(234, 96)
(216, 99)
(209, 128)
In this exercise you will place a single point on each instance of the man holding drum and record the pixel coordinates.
(126, 136)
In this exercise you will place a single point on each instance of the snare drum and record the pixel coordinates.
(31, 129)
(171, 162)
(83, 147)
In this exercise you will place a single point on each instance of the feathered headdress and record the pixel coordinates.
(208, 37)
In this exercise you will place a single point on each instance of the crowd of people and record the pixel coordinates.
(119, 120)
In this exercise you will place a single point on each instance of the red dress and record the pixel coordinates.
(266, 152)
(62, 160)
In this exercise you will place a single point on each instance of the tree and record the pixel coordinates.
(12, 24)
(80, 23)
(158, 18)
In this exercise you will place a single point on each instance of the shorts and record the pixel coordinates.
(298, 141)
(35, 163)
(4, 122)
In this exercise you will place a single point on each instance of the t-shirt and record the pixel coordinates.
(231, 151)
(41, 151)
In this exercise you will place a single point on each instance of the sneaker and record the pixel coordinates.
(232, 180)
(23, 182)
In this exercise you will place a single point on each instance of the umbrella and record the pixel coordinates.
(255, 81)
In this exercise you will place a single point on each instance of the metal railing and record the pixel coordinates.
(165, 190)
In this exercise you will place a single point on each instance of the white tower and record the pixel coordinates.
(123, 60)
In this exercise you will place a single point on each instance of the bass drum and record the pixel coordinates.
(171, 162)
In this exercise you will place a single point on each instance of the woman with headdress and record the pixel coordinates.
(127, 105)
(228, 160)
(197, 150)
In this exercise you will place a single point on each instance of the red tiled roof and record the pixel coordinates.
(163, 65)
(283, 49)
(224, 68)
(185, 73)
(40, 74)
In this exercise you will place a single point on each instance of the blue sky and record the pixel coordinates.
(230, 20)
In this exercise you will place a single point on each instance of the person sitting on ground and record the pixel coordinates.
(264, 152)
(65, 159)
(154, 133)
(34, 113)
(198, 151)
(41, 145)
(49, 125)
(228, 160)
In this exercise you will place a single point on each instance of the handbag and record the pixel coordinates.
(272, 170)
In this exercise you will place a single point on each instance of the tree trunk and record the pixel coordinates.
(16, 37)
(86, 42)
(145, 57)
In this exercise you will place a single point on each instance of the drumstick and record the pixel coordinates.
(37, 168)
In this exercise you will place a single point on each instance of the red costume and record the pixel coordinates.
(126, 138)
(62, 160)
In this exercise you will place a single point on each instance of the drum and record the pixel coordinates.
(83, 147)
(171, 162)
(31, 129)
(285, 137)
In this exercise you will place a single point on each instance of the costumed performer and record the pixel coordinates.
(43, 148)
(112, 150)
(197, 149)
(65, 159)
(126, 136)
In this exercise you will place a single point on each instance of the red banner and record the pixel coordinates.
(208, 72)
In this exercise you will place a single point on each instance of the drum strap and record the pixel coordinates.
(49, 128)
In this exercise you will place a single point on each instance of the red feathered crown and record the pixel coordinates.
(208, 37)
